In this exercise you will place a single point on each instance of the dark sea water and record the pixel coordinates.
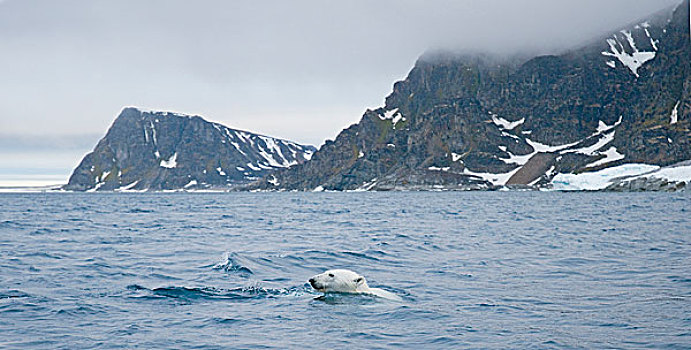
(475, 270)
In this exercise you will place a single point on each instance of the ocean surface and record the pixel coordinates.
(477, 270)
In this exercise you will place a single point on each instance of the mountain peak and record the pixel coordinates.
(154, 150)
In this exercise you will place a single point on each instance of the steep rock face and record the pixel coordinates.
(468, 122)
(166, 151)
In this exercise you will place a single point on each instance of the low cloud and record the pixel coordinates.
(69, 66)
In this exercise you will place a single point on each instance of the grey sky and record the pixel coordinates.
(301, 70)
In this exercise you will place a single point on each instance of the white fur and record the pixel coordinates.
(346, 281)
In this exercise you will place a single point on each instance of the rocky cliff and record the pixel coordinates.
(462, 121)
(165, 151)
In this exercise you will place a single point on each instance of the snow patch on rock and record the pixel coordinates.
(674, 117)
(611, 155)
(634, 59)
(171, 162)
(394, 116)
(505, 124)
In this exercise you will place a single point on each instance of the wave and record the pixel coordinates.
(48, 255)
(210, 293)
(249, 293)
(283, 267)
(230, 264)
(11, 224)
(346, 298)
(81, 310)
(13, 293)
(139, 211)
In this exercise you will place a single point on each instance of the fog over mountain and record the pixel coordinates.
(299, 70)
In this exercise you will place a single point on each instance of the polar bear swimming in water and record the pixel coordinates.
(346, 281)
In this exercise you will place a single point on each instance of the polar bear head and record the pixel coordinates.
(339, 281)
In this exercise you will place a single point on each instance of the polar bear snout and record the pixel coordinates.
(320, 283)
(314, 284)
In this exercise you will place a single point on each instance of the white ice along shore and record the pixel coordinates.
(599, 180)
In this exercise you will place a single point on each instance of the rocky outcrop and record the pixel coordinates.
(146, 150)
(672, 178)
(537, 166)
(478, 122)
(648, 184)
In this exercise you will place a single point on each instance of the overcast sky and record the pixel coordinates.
(300, 70)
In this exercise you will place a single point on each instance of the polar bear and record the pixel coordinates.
(346, 281)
